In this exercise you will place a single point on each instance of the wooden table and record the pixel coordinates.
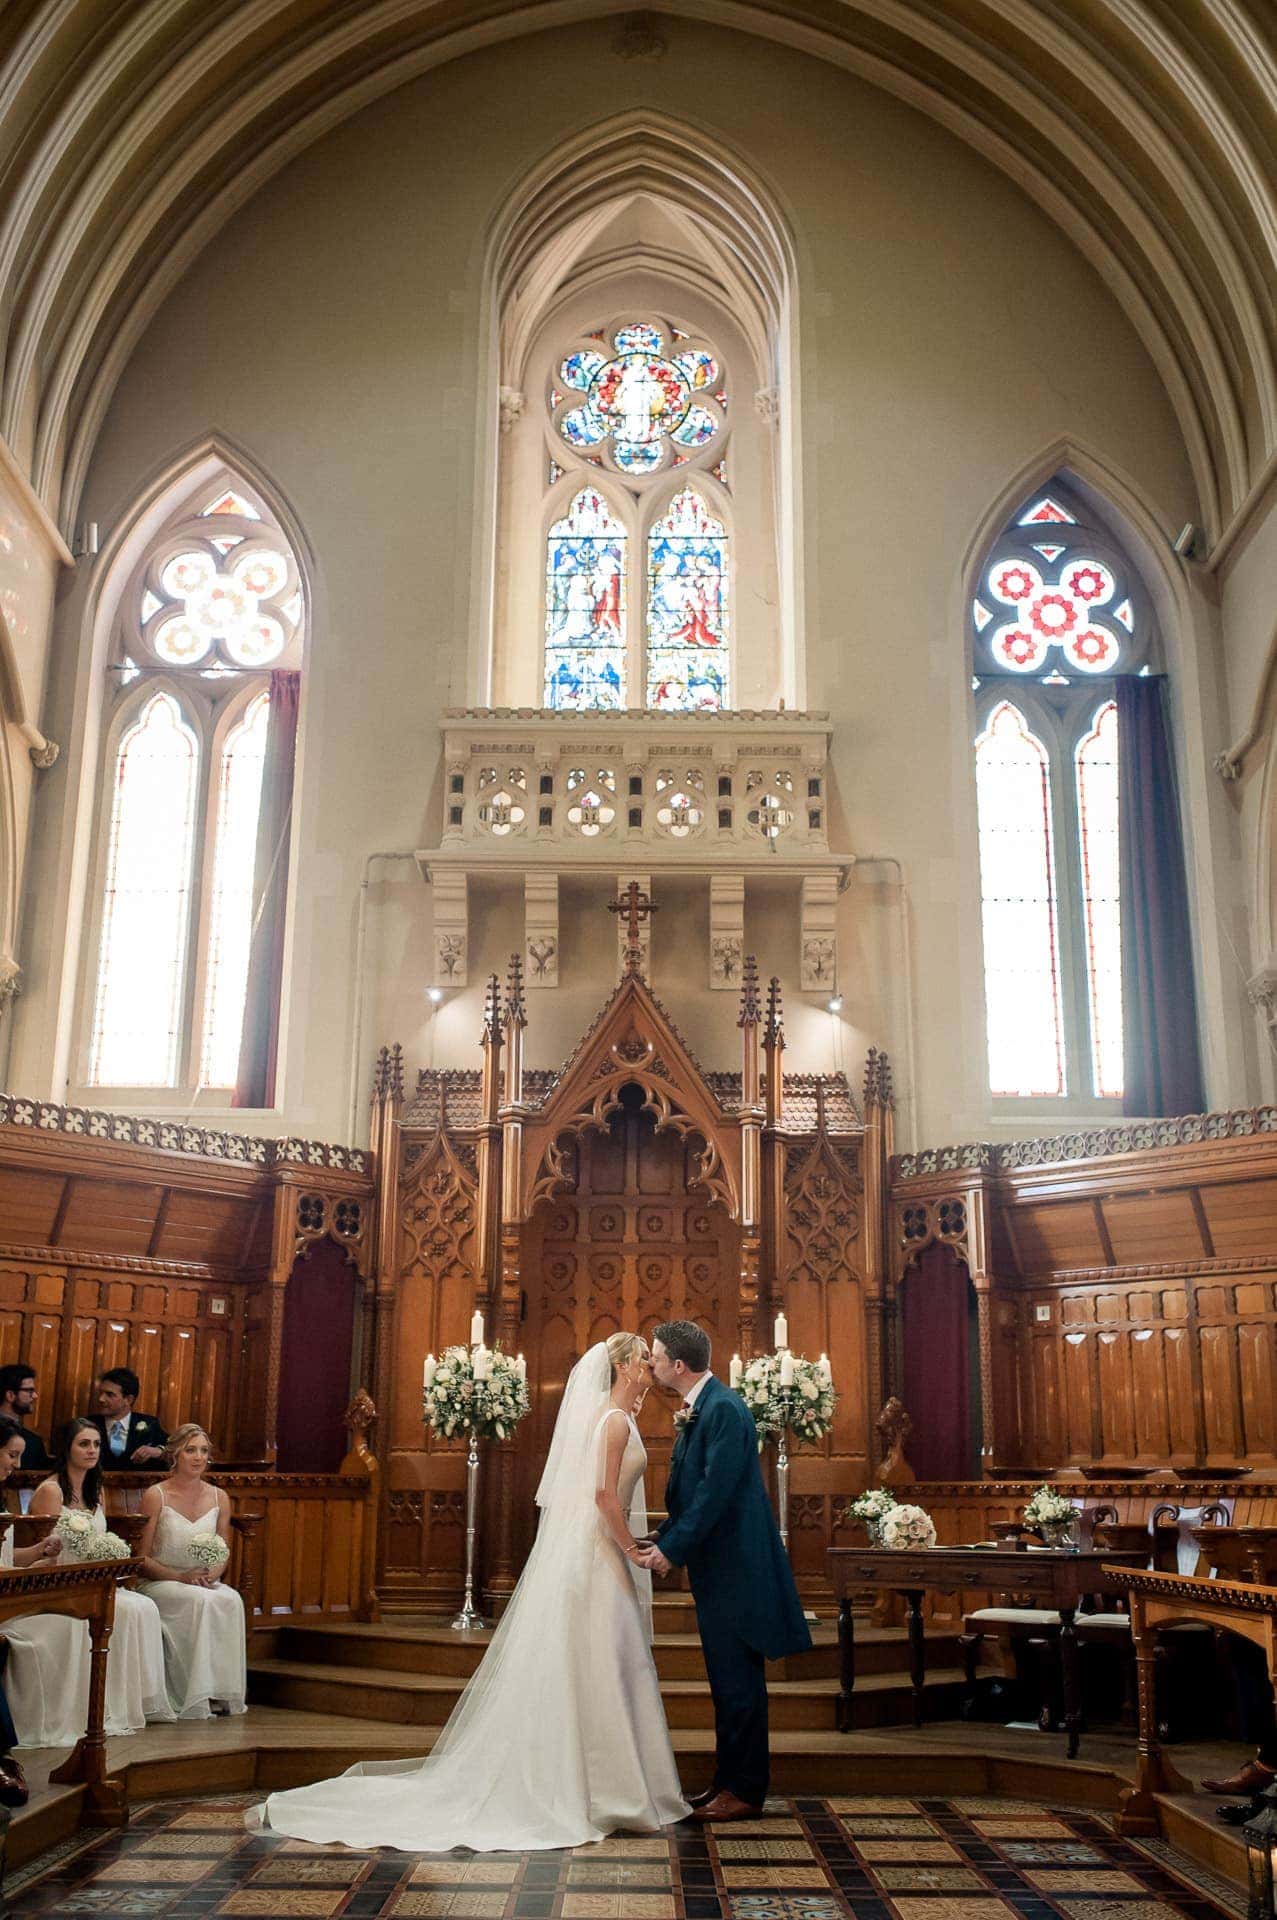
(1058, 1580)
(1159, 1600)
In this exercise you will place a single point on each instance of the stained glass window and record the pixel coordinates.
(642, 397)
(687, 630)
(585, 607)
(239, 792)
(137, 1015)
(1018, 903)
(1096, 760)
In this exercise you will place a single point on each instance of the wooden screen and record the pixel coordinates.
(629, 1247)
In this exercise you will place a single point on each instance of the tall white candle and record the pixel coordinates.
(825, 1371)
(482, 1363)
(780, 1333)
(521, 1367)
(736, 1370)
(476, 1330)
(428, 1372)
(786, 1368)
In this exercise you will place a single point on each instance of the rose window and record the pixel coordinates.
(644, 398)
(236, 592)
(1053, 593)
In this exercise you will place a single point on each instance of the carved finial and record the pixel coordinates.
(492, 1010)
(893, 1427)
(516, 1010)
(886, 1091)
(871, 1078)
(381, 1074)
(774, 1025)
(822, 1126)
(360, 1415)
(395, 1084)
(751, 1009)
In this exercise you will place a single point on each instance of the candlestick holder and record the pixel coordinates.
(782, 1488)
(469, 1620)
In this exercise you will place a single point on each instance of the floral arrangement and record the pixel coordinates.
(81, 1540)
(871, 1509)
(907, 1527)
(207, 1550)
(474, 1390)
(1048, 1508)
(784, 1392)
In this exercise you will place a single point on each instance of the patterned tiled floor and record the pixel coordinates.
(872, 1859)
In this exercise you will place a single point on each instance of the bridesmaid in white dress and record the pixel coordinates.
(204, 1652)
(560, 1737)
(46, 1677)
(135, 1663)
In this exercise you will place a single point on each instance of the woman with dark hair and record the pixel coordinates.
(18, 1644)
(135, 1691)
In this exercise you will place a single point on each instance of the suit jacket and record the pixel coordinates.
(34, 1452)
(143, 1430)
(720, 1526)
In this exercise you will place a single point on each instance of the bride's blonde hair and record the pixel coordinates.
(622, 1347)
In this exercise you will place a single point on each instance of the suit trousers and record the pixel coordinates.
(738, 1684)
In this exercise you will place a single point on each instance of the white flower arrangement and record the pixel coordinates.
(107, 1546)
(802, 1405)
(871, 1509)
(907, 1527)
(488, 1398)
(75, 1530)
(1048, 1508)
(207, 1550)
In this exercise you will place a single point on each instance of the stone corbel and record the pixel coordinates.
(451, 928)
(767, 407)
(511, 404)
(541, 929)
(818, 946)
(1261, 991)
(726, 930)
(10, 981)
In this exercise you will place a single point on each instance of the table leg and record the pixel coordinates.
(1070, 1680)
(917, 1650)
(847, 1664)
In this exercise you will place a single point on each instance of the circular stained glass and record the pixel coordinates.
(180, 641)
(186, 573)
(263, 572)
(256, 643)
(637, 338)
(637, 457)
(698, 427)
(640, 397)
(700, 368)
(582, 427)
(580, 368)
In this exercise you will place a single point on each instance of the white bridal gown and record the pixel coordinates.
(204, 1655)
(46, 1679)
(560, 1737)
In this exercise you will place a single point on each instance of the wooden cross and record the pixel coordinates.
(637, 906)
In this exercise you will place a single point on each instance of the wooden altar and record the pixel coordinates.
(627, 1188)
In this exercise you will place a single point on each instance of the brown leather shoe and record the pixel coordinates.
(727, 1806)
(1252, 1778)
(695, 1800)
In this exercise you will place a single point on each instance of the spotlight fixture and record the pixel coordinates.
(434, 995)
(834, 1003)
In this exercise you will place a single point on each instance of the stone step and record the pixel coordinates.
(435, 1648)
(425, 1699)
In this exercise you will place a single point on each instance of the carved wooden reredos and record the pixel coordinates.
(630, 1186)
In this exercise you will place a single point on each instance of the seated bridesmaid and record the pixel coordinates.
(184, 1549)
(46, 1674)
(135, 1691)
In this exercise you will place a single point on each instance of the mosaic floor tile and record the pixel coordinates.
(731, 1827)
(619, 1873)
(988, 1803)
(764, 1849)
(289, 1873)
(467, 1903)
(1022, 1829)
(769, 1876)
(308, 1905)
(928, 1850)
(780, 1906)
(890, 1829)
(143, 1868)
(225, 1818)
(208, 1844)
(1116, 1909)
(632, 1848)
(1077, 1880)
(929, 1879)
(865, 1803)
(1071, 1853)
(457, 1870)
(984, 1906)
(618, 1906)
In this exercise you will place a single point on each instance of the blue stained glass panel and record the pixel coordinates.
(637, 338)
(637, 456)
(698, 427)
(582, 427)
(580, 368)
(585, 607)
(688, 659)
(700, 368)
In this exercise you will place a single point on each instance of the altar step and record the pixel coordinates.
(414, 1676)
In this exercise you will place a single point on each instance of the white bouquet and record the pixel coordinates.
(75, 1530)
(480, 1390)
(871, 1509)
(106, 1546)
(208, 1551)
(1048, 1508)
(907, 1527)
(803, 1403)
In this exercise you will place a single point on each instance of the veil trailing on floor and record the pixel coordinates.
(519, 1762)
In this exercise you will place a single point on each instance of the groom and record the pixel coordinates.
(720, 1526)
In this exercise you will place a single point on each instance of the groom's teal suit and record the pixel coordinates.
(720, 1526)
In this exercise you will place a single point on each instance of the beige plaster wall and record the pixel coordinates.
(948, 335)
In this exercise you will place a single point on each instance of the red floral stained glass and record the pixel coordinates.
(1096, 763)
(1017, 885)
(1044, 511)
(1051, 613)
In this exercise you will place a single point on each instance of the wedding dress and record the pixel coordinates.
(47, 1675)
(560, 1737)
(203, 1627)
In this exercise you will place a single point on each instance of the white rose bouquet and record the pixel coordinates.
(208, 1551)
(871, 1509)
(75, 1530)
(907, 1527)
(106, 1546)
(1048, 1508)
(481, 1391)
(803, 1403)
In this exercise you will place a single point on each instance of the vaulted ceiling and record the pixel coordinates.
(1147, 129)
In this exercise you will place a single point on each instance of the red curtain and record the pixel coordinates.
(259, 1041)
(314, 1373)
(1163, 1071)
(935, 1321)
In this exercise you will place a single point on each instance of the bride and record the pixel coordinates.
(560, 1737)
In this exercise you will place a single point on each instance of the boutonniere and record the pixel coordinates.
(142, 1426)
(683, 1419)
